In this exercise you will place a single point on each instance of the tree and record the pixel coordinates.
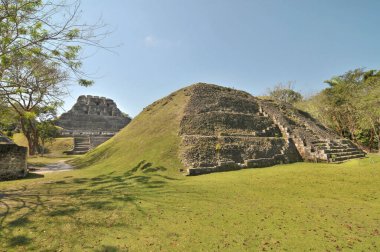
(285, 93)
(47, 133)
(8, 119)
(368, 105)
(40, 48)
(37, 28)
(37, 84)
(351, 106)
(340, 101)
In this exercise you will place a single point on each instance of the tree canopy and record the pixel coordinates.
(285, 93)
(40, 51)
(351, 106)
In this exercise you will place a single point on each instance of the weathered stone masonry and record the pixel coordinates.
(226, 129)
(12, 160)
(92, 121)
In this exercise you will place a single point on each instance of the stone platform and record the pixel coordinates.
(227, 129)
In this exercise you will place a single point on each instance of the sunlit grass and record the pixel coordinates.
(300, 206)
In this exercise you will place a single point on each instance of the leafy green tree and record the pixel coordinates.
(340, 101)
(47, 133)
(37, 28)
(8, 119)
(46, 125)
(368, 106)
(285, 93)
(40, 48)
(37, 84)
(350, 105)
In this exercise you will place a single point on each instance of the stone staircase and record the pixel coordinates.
(81, 145)
(337, 151)
(312, 142)
(84, 143)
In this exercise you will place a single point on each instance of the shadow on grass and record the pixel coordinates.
(19, 240)
(32, 175)
(64, 199)
(108, 249)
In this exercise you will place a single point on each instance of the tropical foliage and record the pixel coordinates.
(351, 106)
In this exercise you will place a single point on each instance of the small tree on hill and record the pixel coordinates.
(285, 93)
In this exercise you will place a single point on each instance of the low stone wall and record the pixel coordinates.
(222, 167)
(12, 161)
(98, 140)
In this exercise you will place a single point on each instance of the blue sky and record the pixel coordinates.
(164, 45)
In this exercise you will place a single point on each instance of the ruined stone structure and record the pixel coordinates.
(92, 121)
(12, 159)
(226, 129)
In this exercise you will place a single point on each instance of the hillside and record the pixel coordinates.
(151, 140)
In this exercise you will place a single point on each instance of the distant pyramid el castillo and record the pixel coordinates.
(91, 121)
(207, 128)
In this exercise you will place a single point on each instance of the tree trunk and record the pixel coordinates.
(31, 134)
(371, 140)
(42, 147)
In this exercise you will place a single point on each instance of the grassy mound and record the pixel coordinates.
(151, 140)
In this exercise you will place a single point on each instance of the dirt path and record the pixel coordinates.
(56, 167)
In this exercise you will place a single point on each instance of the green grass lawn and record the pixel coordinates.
(296, 207)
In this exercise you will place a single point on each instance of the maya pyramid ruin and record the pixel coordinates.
(213, 128)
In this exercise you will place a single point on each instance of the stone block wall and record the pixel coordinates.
(12, 161)
(92, 113)
(223, 129)
(215, 122)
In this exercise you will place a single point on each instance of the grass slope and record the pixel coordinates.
(294, 207)
(151, 139)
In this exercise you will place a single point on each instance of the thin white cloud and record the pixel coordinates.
(152, 41)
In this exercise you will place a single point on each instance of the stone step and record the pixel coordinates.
(81, 149)
(342, 154)
(81, 138)
(319, 142)
(333, 151)
(82, 144)
(339, 147)
(343, 158)
(82, 141)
